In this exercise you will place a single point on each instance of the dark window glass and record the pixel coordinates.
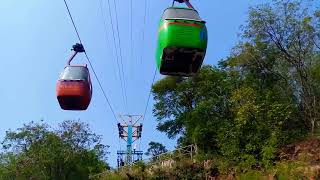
(75, 73)
(173, 13)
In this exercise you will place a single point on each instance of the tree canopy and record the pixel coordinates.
(156, 149)
(37, 151)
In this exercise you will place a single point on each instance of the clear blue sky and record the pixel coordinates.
(35, 41)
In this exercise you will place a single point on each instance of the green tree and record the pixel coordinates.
(194, 108)
(36, 151)
(155, 149)
(291, 29)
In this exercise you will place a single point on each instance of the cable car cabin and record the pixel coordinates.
(182, 42)
(74, 89)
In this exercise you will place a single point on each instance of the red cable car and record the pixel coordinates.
(74, 88)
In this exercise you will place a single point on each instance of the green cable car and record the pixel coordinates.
(182, 42)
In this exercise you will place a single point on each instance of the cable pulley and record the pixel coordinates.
(77, 48)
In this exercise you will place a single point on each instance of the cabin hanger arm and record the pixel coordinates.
(184, 1)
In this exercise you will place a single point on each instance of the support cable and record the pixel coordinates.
(117, 58)
(149, 96)
(88, 59)
(120, 49)
(131, 35)
(143, 29)
(107, 40)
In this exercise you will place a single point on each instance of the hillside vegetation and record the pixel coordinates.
(264, 96)
(38, 152)
(295, 161)
(243, 114)
(253, 116)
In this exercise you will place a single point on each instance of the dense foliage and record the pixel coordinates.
(35, 151)
(155, 149)
(265, 95)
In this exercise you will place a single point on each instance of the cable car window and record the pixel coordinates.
(74, 73)
(173, 13)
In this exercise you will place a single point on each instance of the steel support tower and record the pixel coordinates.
(129, 131)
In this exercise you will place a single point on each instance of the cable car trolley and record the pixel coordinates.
(182, 41)
(74, 88)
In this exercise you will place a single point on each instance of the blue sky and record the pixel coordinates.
(35, 41)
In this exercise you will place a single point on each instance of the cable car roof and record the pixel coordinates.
(75, 73)
(181, 13)
(178, 7)
(78, 65)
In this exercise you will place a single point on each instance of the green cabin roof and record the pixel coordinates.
(177, 7)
